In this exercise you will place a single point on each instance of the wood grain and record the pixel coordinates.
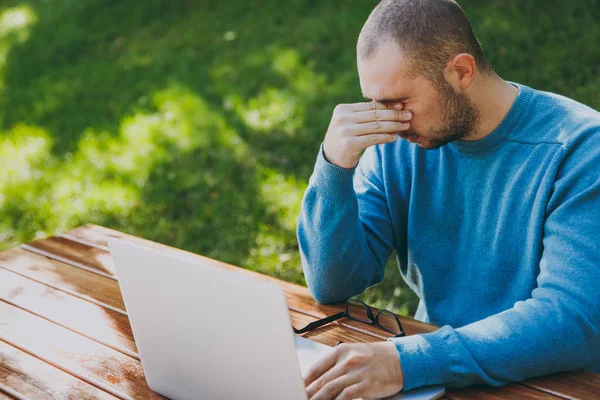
(77, 254)
(576, 385)
(68, 278)
(74, 312)
(330, 334)
(98, 364)
(110, 328)
(298, 297)
(32, 378)
(4, 396)
(95, 322)
(94, 363)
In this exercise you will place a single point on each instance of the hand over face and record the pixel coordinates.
(354, 127)
(351, 371)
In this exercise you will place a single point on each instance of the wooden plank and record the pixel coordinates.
(96, 364)
(96, 235)
(104, 326)
(111, 328)
(298, 297)
(330, 334)
(501, 393)
(4, 396)
(575, 385)
(28, 377)
(70, 279)
(102, 366)
(76, 314)
(77, 254)
(86, 285)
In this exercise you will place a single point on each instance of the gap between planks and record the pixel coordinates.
(86, 379)
(104, 248)
(99, 341)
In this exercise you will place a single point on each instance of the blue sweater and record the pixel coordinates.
(499, 238)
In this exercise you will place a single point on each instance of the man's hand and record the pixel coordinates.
(351, 371)
(354, 127)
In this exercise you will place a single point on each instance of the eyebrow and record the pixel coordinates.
(398, 99)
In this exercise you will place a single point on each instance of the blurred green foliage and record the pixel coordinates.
(197, 123)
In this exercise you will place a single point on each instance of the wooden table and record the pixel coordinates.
(64, 332)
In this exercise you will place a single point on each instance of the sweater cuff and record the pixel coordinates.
(327, 175)
(425, 359)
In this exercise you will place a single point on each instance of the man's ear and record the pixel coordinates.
(460, 71)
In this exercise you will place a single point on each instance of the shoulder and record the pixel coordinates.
(575, 127)
(556, 119)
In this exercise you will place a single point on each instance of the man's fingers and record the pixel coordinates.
(340, 142)
(366, 106)
(320, 367)
(352, 392)
(380, 115)
(333, 373)
(376, 138)
(333, 388)
(379, 127)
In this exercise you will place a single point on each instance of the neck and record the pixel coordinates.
(493, 97)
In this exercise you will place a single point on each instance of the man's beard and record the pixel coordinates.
(460, 117)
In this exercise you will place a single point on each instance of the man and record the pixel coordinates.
(492, 202)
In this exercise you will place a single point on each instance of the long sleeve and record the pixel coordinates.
(558, 328)
(344, 229)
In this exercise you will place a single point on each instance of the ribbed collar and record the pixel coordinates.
(503, 130)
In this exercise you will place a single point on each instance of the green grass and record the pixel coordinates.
(197, 123)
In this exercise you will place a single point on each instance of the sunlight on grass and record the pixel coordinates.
(301, 77)
(112, 174)
(110, 171)
(271, 109)
(106, 173)
(282, 196)
(275, 250)
(14, 24)
(24, 151)
(189, 123)
(24, 157)
(16, 20)
(280, 109)
(272, 254)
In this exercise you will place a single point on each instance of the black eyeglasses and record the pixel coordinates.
(359, 311)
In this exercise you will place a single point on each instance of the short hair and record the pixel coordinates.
(430, 32)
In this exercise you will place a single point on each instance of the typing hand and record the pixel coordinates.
(351, 371)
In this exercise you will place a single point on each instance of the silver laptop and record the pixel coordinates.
(204, 332)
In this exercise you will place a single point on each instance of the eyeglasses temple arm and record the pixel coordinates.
(321, 322)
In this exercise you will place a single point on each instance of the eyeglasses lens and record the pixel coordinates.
(358, 311)
(388, 322)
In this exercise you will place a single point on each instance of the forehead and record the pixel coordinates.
(385, 74)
